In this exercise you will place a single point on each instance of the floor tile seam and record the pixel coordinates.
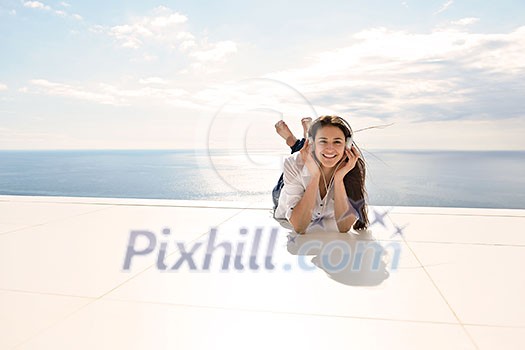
(55, 323)
(251, 310)
(467, 243)
(168, 255)
(440, 292)
(141, 204)
(95, 299)
(34, 292)
(263, 208)
(54, 221)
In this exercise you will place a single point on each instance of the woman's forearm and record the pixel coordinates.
(302, 212)
(344, 213)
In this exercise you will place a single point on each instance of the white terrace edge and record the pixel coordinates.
(248, 205)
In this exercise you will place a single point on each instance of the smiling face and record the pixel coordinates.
(329, 145)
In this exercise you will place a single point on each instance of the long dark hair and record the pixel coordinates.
(354, 180)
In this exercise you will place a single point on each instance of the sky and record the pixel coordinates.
(436, 74)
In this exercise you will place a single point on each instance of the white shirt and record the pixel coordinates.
(296, 178)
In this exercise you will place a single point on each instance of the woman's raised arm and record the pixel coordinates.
(302, 212)
(301, 216)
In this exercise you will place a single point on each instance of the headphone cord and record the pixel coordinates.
(324, 180)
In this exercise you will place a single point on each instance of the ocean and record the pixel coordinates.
(474, 179)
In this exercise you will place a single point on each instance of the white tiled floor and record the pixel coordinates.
(474, 229)
(458, 283)
(484, 284)
(26, 314)
(84, 255)
(25, 214)
(110, 324)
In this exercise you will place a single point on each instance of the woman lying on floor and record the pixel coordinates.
(304, 196)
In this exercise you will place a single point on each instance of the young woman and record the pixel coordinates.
(324, 180)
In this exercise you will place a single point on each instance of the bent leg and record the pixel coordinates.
(276, 192)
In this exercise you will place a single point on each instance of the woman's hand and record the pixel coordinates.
(308, 159)
(353, 155)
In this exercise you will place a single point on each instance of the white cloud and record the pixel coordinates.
(128, 35)
(144, 58)
(446, 74)
(3, 87)
(46, 87)
(447, 135)
(444, 7)
(119, 95)
(165, 29)
(215, 52)
(465, 21)
(61, 13)
(164, 21)
(65, 4)
(65, 14)
(36, 5)
(9, 137)
(97, 29)
(154, 80)
(187, 44)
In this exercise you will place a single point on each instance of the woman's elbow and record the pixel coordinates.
(297, 227)
(345, 226)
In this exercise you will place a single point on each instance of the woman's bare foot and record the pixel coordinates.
(283, 130)
(306, 125)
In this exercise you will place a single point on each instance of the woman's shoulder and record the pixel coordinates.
(294, 164)
(295, 160)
